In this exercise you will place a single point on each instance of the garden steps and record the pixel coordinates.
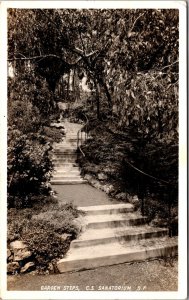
(114, 234)
(65, 156)
(111, 233)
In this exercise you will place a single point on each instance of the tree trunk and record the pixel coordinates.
(107, 95)
(68, 86)
(97, 99)
(73, 85)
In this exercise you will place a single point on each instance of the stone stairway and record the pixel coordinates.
(114, 234)
(64, 159)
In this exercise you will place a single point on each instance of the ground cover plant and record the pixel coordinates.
(47, 228)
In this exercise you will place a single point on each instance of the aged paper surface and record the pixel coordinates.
(60, 288)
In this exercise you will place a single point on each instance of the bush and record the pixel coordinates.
(29, 163)
(32, 89)
(53, 134)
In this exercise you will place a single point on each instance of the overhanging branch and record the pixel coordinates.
(34, 57)
(134, 23)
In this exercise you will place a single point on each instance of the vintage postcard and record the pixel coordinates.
(93, 150)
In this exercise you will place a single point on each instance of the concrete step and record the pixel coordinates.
(71, 138)
(70, 172)
(68, 181)
(64, 156)
(104, 255)
(66, 143)
(66, 166)
(113, 220)
(62, 163)
(62, 144)
(107, 209)
(93, 237)
(61, 152)
(67, 171)
(67, 177)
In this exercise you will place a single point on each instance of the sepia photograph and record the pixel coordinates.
(93, 131)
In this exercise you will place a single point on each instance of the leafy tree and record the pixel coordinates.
(110, 49)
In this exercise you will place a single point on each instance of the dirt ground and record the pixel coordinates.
(154, 275)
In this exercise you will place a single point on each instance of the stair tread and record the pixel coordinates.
(119, 248)
(70, 179)
(65, 176)
(67, 165)
(59, 182)
(66, 170)
(70, 173)
(92, 234)
(103, 207)
(111, 217)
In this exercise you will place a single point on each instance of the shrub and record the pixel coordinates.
(29, 163)
(53, 134)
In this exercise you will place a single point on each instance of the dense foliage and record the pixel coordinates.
(29, 142)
